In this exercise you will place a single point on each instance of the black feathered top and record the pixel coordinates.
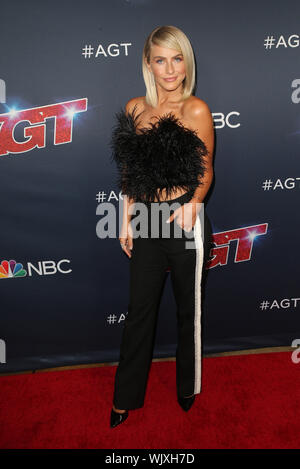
(165, 156)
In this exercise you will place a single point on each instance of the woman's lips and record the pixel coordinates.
(170, 79)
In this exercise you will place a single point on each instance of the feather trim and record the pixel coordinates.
(166, 155)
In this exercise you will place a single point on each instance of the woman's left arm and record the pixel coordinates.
(202, 122)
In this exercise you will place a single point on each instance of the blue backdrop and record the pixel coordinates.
(65, 69)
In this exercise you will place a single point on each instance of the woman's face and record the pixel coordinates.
(167, 63)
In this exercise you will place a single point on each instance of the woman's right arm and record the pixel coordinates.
(126, 230)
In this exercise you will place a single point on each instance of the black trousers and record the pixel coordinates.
(186, 257)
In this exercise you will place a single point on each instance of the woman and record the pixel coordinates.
(163, 146)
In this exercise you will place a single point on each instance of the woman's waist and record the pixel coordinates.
(165, 195)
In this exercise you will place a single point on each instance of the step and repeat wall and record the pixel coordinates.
(66, 68)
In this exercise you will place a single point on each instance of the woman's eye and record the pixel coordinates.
(161, 60)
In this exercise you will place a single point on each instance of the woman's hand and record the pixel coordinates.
(126, 238)
(186, 215)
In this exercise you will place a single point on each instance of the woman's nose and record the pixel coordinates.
(170, 68)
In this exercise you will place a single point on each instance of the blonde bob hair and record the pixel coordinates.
(172, 38)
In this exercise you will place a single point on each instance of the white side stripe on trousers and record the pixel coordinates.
(198, 278)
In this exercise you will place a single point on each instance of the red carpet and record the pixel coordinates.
(247, 401)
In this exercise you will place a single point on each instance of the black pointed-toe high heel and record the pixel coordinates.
(117, 417)
(186, 402)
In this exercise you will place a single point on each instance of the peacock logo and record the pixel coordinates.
(11, 269)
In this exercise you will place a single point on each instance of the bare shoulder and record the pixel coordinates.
(199, 118)
(138, 102)
(195, 109)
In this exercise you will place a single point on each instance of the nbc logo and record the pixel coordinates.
(9, 269)
(13, 269)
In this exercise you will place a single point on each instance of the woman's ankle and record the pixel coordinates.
(120, 411)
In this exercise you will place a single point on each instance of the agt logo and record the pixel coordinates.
(35, 133)
(13, 269)
(244, 237)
